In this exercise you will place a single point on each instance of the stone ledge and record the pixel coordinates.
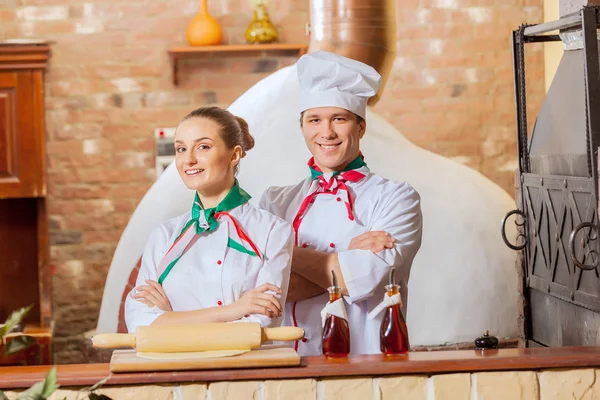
(513, 385)
(422, 363)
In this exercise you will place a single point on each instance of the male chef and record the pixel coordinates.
(345, 218)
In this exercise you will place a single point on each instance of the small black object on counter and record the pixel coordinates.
(486, 341)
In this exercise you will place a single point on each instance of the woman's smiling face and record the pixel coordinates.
(201, 156)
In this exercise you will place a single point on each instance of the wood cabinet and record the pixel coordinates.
(24, 247)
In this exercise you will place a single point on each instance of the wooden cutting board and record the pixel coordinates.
(268, 356)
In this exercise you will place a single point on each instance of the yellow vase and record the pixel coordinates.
(261, 30)
(204, 30)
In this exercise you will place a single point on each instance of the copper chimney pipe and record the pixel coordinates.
(364, 30)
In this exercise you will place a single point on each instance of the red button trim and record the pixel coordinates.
(304, 340)
(219, 262)
(331, 245)
(339, 199)
(220, 302)
(304, 245)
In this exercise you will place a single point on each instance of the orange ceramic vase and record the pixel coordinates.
(204, 30)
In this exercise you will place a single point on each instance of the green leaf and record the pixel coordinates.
(50, 385)
(15, 318)
(3, 396)
(18, 343)
(33, 393)
(99, 384)
(41, 390)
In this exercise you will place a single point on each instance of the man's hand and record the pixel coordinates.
(152, 294)
(311, 269)
(375, 241)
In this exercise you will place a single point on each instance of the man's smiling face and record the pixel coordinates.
(332, 135)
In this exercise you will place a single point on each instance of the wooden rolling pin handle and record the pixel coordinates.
(284, 333)
(113, 340)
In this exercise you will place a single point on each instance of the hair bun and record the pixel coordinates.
(247, 139)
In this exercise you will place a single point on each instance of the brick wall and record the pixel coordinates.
(514, 385)
(109, 85)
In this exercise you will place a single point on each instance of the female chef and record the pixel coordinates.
(224, 260)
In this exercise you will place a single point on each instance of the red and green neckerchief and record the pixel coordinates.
(198, 225)
(353, 172)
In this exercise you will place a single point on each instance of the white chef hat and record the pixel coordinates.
(330, 80)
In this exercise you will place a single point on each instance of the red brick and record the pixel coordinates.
(62, 207)
(111, 175)
(45, 14)
(234, 35)
(88, 222)
(39, 2)
(7, 15)
(123, 205)
(130, 191)
(47, 30)
(108, 71)
(63, 175)
(85, 192)
(101, 236)
(159, 117)
(143, 160)
(121, 220)
(128, 131)
(59, 254)
(235, 19)
(253, 65)
(95, 206)
(107, 10)
(224, 97)
(65, 147)
(203, 66)
(159, 30)
(150, 70)
(229, 81)
(167, 99)
(114, 116)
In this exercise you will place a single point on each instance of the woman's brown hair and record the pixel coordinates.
(232, 129)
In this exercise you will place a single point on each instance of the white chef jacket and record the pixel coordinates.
(379, 205)
(212, 274)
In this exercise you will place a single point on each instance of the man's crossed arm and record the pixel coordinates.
(311, 269)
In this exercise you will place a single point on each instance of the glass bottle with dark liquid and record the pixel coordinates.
(394, 333)
(336, 332)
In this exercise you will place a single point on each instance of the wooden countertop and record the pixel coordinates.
(367, 365)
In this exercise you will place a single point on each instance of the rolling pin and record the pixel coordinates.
(197, 337)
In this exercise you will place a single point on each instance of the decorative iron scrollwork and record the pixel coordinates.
(520, 235)
(584, 241)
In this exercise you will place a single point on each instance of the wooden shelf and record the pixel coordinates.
(178, 53)
(23, 56)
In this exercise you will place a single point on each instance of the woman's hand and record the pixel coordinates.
(375, 241)
(256, 301)
(152, 294)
